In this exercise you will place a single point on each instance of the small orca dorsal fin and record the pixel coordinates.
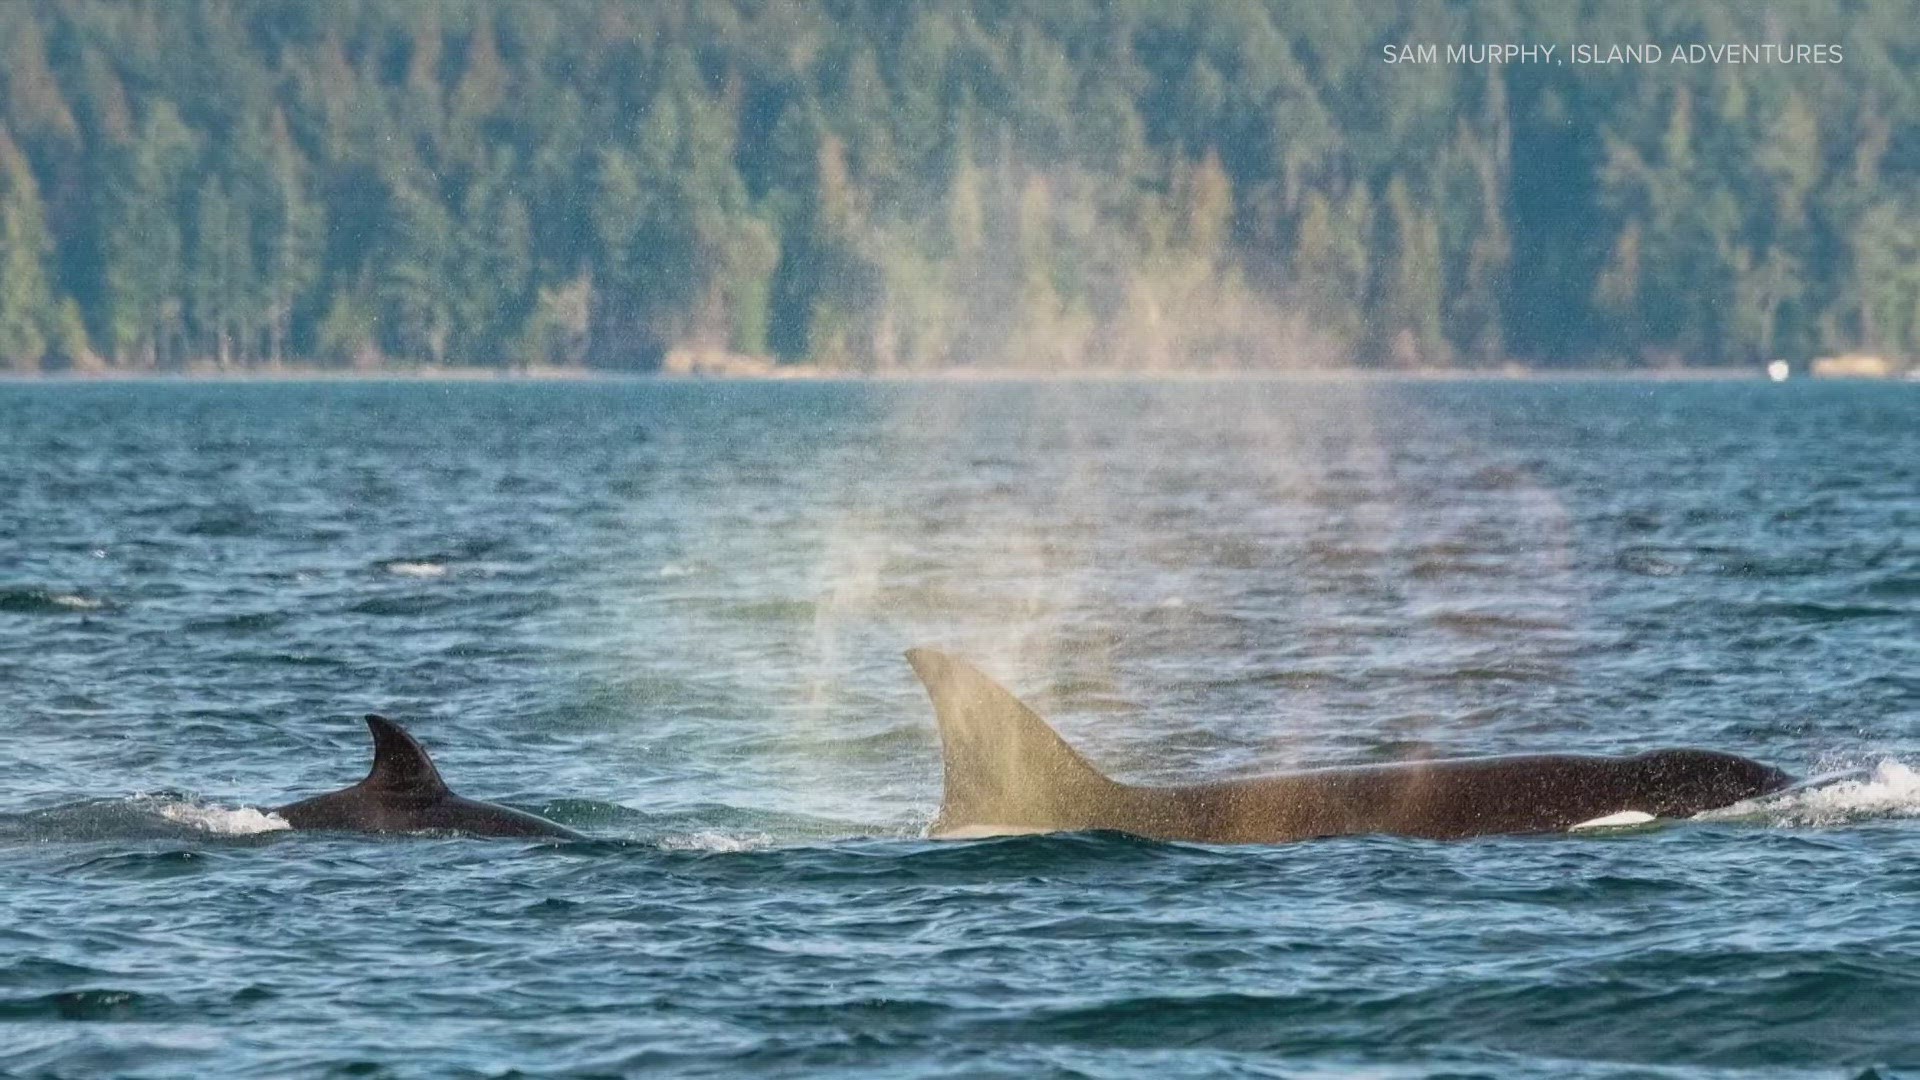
(1005, 768)
(400, 763)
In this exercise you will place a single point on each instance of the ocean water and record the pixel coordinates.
(671, 616)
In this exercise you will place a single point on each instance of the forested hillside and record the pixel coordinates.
(896, 184)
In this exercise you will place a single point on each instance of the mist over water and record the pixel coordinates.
(671, 615)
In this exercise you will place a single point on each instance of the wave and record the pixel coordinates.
(415, 568)
(1896, 587)
(1493, 623)
(404, 605)
(36, 601)
(161, 816)
(224, 821)
(1890, 789)
(1809, 611)
(173, 815)
(85, 1004)
(716, 841)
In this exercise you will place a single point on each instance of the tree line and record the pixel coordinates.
(909, 184)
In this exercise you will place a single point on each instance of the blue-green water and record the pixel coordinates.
(671, 615)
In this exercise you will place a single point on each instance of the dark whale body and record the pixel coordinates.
(403, 793)
(1008, 772)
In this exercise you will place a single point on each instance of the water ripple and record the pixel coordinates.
(671, 615)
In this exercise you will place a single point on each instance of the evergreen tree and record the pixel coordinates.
(24, 296)
(1406, 311)
(144, 284)
(863, 184)
(289, 236)
(222, 310)
(490, 279)
(414, 268)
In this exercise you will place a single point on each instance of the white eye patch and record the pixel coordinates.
(1615, 821)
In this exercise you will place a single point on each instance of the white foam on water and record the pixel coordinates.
(417, 569)
(677, 570)
(244, 821)
(76, 602)
(1891, 789)
(708, 840)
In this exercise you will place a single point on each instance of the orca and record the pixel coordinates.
(403, 793)
(1006, 772)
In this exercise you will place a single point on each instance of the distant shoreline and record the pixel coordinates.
(810, 373)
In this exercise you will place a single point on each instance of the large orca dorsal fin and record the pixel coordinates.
(1005, 768)
(400, 763)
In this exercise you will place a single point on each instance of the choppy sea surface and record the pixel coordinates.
(671, 616)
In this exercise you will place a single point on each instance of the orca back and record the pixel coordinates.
(1006, 771)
